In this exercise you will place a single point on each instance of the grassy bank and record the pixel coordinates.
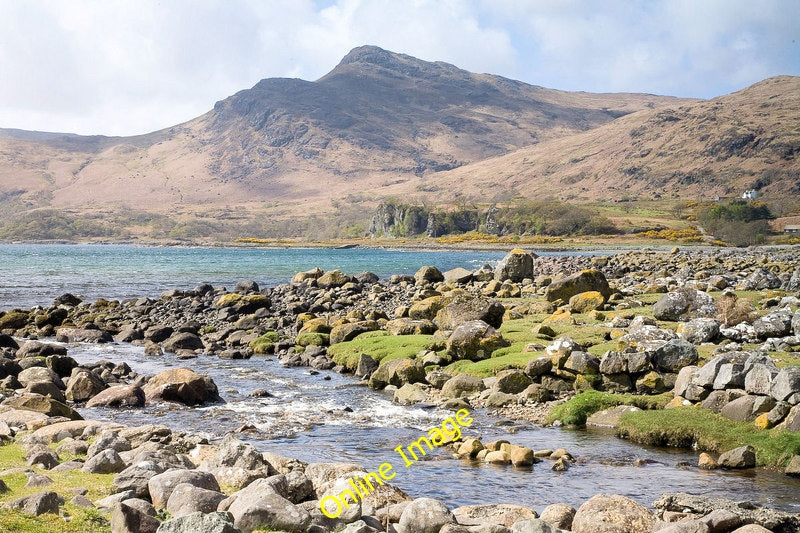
(576, 410)
(694, 427)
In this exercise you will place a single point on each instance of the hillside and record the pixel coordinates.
(695, 150)
(289, 156)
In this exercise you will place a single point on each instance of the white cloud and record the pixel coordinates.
(126, 67)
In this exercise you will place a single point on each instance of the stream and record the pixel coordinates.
(322, 417)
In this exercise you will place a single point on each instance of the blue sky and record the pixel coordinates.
(118, 67)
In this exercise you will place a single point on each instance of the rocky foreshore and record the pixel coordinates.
(228, 486)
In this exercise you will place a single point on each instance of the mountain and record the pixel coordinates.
(288, 154)
(694, 150)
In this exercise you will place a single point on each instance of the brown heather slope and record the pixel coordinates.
(371, 127)
(693, 150)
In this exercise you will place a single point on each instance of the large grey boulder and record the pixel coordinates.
(742, 457)
(786, 385)
(730, 376)
(118, 396)
(758, 379)
(180, 385)
(462, 386)
(37, 374)
(533, 525)
(182, 341)
(161, 486)
(740, 409)
(588, 280)
(187, 499)
(760, 279)
(129, 519)
(267, 510)
(467, 308)
(37, 504)
(700, 330)
(675, 304)
(674, 355)
(775, 324)
(105, 462)
(424, 515)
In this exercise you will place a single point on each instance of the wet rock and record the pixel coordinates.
(397, 372)
(182, 341)
(749, 513)
(605, 513)
(83, 335)
(83, 385)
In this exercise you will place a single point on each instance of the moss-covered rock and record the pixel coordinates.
(587, 280)
(312, 339)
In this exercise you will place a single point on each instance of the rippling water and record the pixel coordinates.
(307, 419)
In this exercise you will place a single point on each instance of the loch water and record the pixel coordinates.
(327, 416)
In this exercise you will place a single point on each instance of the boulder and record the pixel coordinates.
(775, 324)
(675, 304)
(533, 525)
(105, 462)
(786, 385)
(333, 278)
(409, 326)
(37, 504)
(180, 385)
(34, 348)
(605, 513)
(760, 279)
(397, 372)
(410, 394)
(424, 515)
(187, 499)
(538, 367)
(182, 341)
(742, 457)
(118, 396)
(366, 366)
(83, 335)
(511, 381)
(129, 519)
(740, 409)
(587, 280)
(729, 376)
(428, 274)
(700, 330)
(758, 379)
(349, 331)
(217, 522)
(42, 404)
(609, 418)
(462, 386)
(674, 355)
(83, 385)
(468, 308)
(161, 486)
(586, 301)
(253, 510)
(38, 374)
(505, 514)
(457, 275)
(559, 515)
(516, 266)
(474, 340)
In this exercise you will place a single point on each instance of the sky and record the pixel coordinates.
(126, 67)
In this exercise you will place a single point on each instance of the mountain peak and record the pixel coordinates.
(369, 57)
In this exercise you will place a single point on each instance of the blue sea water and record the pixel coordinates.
(35, 274)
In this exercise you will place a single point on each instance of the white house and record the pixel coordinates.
(750, 194)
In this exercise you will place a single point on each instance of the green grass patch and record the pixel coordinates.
(692, 426)
(265, 343)
(576, 410)
(80, 520)
(380, 345)
(490, 367)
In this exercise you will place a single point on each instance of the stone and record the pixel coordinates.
(792, 422)
(742, 457)
(559, 515)
(410, 394)
(588, 280)
(118, 396)
(83, 335)
(700, 330)
(128, 519)
(409, 326)
(428, 274)
(474, 340)
(706, 462)
(749, 513)
(730, 376)
(715, 401)
(793, 468)
(650, 383)
(533, 525)
(503, 514)
(261, 510)
(332, 278)
(684, 380)
(674, 355)
(516, 266)
(187, 499)
(511, 381)
(182, 341)
(161, 486)
(613, 363)
(499, 399)
(758, 379)
(586, 301)
(42, 404)
(105, 462)
(464, 308)
(180, 385)
(609, 418)
(424, 515)
(775, 324)
(39, 374)
(397, 372)
(740, 409)
(366, 366)
(37, 504)
(44, 456)
(457, 276)
(538, 367)
(721, 520)
(83, 385)
(605, 513)
(497, 457)
(786, 384)
(217, 522)
(462, 386)
(349, 331)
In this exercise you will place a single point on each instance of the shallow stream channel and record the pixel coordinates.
(327, 417)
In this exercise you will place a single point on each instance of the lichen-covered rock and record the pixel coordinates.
(587, 280)
(83, 385)
(217, 522)
(515, 266)
(586, 301)
(674, 355)
(786, 385)
(42, 404)
(699, 330)
(349, 331)
(462, 386)
(397, 372)
(775, 324)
